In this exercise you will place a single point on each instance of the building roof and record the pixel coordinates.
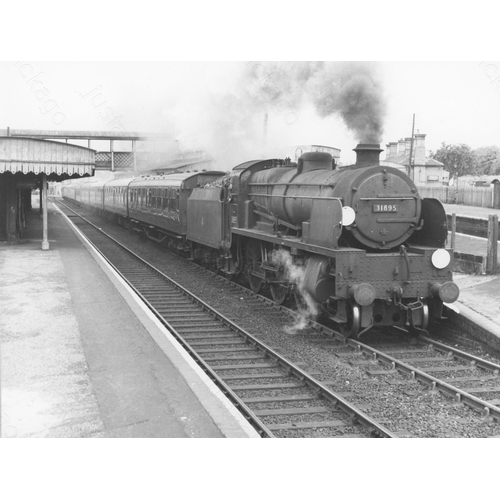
(404, 160)
(431, 162)
(86, 134)
(58, 160)
(400, 160)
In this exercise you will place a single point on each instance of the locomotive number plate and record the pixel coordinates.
(385, 208)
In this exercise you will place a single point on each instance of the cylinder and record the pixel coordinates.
(317, 281)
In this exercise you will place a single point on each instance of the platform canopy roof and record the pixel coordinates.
(58, 160)
(86, 134)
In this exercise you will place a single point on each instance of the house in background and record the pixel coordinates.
(425, 171)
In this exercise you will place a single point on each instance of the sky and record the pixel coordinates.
(199, 103)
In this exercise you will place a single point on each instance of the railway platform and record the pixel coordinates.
(479, 294)
(81, 357)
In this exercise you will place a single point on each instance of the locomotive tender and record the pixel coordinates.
(370, 251)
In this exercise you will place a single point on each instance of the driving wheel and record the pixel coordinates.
(254, 261)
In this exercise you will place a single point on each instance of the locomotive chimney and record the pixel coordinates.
(367, 155)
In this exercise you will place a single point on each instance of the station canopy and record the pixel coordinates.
(58, 160)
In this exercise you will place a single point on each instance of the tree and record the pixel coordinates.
(458, 159)
(487, 160)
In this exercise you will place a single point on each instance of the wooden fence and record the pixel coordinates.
(477, 196)
(482, 260)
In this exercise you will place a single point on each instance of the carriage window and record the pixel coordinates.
(171, 201)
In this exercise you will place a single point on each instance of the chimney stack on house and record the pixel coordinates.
(391, 151)
(419, 149)
(401, 147)
(407, 146)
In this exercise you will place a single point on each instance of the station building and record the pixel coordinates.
(29, 159)
(29, 163)
(424, 171)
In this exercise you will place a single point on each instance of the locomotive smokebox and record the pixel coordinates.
(367, 155)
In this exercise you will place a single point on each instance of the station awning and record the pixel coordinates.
(57, 160)
(53, 170)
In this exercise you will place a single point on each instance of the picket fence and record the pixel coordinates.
(477, 196)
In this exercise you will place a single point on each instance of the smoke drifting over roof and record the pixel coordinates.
(352, 90)
(227, 120)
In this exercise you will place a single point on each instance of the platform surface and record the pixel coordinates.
(80, 359)
(479, 294)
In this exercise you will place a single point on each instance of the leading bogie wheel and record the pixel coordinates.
(352, 326)
(279, 293)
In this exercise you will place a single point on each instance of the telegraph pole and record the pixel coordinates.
(411, 173)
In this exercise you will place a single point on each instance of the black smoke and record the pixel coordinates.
(351, 90)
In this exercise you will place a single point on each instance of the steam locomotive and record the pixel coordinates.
(367, 250)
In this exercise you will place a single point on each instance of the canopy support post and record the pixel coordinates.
(45, 240)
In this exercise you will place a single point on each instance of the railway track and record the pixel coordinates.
(470, 385)
(276, 396)
(464, 377)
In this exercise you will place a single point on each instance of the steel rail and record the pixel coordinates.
(459, 395)
(486, 408)
(235, 400)
(457, 353)
(356, 415)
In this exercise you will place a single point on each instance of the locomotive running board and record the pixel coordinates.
(291, 241)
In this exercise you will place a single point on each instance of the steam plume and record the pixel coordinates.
(228, 122)
(295, 275)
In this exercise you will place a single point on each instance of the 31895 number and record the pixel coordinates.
(385, 208)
